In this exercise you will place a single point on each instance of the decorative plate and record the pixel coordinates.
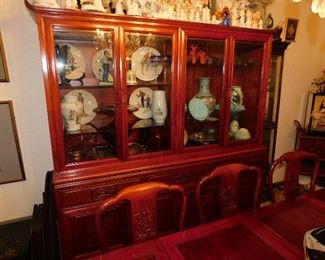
(75, 63)
(89, 103)
(198, 109)
(142, 99)
(141, 65)
(103, 57)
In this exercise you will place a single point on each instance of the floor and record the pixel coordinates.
(15, 240)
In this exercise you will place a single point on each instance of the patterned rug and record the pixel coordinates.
(15, 240)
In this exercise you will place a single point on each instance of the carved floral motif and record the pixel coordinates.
(144, 226)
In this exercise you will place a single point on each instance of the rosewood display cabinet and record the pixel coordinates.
(133, 99)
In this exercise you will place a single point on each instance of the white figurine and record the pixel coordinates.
(47, 3)
(206, 16)
(71, 4)
(119, 7)
(133, 7)
(242, 18)
(197, 17)
(260, 24)
(191, 15)
(248, 19)
(213, 19)
(93, 5)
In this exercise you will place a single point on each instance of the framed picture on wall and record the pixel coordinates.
(317, 115)
(4, 77)
(11, 163)
(290, 30)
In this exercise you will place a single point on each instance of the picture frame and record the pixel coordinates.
(4, 76)
(11, 163)
(317, 115)
(290, 30)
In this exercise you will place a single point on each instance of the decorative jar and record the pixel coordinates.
(205, 95)
(159, 106)
(70, 110)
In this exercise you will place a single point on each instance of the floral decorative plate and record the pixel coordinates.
(198, 109)
(75, 63)
(142, 99)
(141, 65)
(100, 58)
(89, 103)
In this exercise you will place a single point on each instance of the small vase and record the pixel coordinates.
(159, 106)
(205, 95)
(70, 110)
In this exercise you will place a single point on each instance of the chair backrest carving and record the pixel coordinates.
(142, 199)
(293, 164)
(229, 179)
(300, 130)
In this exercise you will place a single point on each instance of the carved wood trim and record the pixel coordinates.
(105, 192)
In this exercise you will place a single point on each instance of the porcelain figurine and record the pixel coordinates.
(242, 134)
(133, 7)
(47, 3)
(92, 5)
(226, 17)
(248, 23)
(206, 15)
(242, 18)
(197, 17)
(71, 4)
(234, 127)
(119, 7)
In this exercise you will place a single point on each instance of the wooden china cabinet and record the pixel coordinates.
(147, 100)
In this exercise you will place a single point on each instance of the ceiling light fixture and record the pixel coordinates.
(317, 6)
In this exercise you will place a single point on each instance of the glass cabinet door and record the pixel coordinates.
(85, 76)
(245, 91)
(149, 91)
(204, 81)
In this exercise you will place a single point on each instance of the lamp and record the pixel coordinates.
(317, 6)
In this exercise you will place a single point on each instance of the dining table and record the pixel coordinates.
(272, 232)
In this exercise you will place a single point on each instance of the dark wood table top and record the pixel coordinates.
(272, 232)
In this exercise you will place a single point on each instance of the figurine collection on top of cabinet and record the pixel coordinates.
(241, 13)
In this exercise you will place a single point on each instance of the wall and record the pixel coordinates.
(25, 89)
(304, 61)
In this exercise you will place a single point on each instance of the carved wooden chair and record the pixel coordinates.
(237, 188)
(142, 212)
(292, 163)
(300, 131)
